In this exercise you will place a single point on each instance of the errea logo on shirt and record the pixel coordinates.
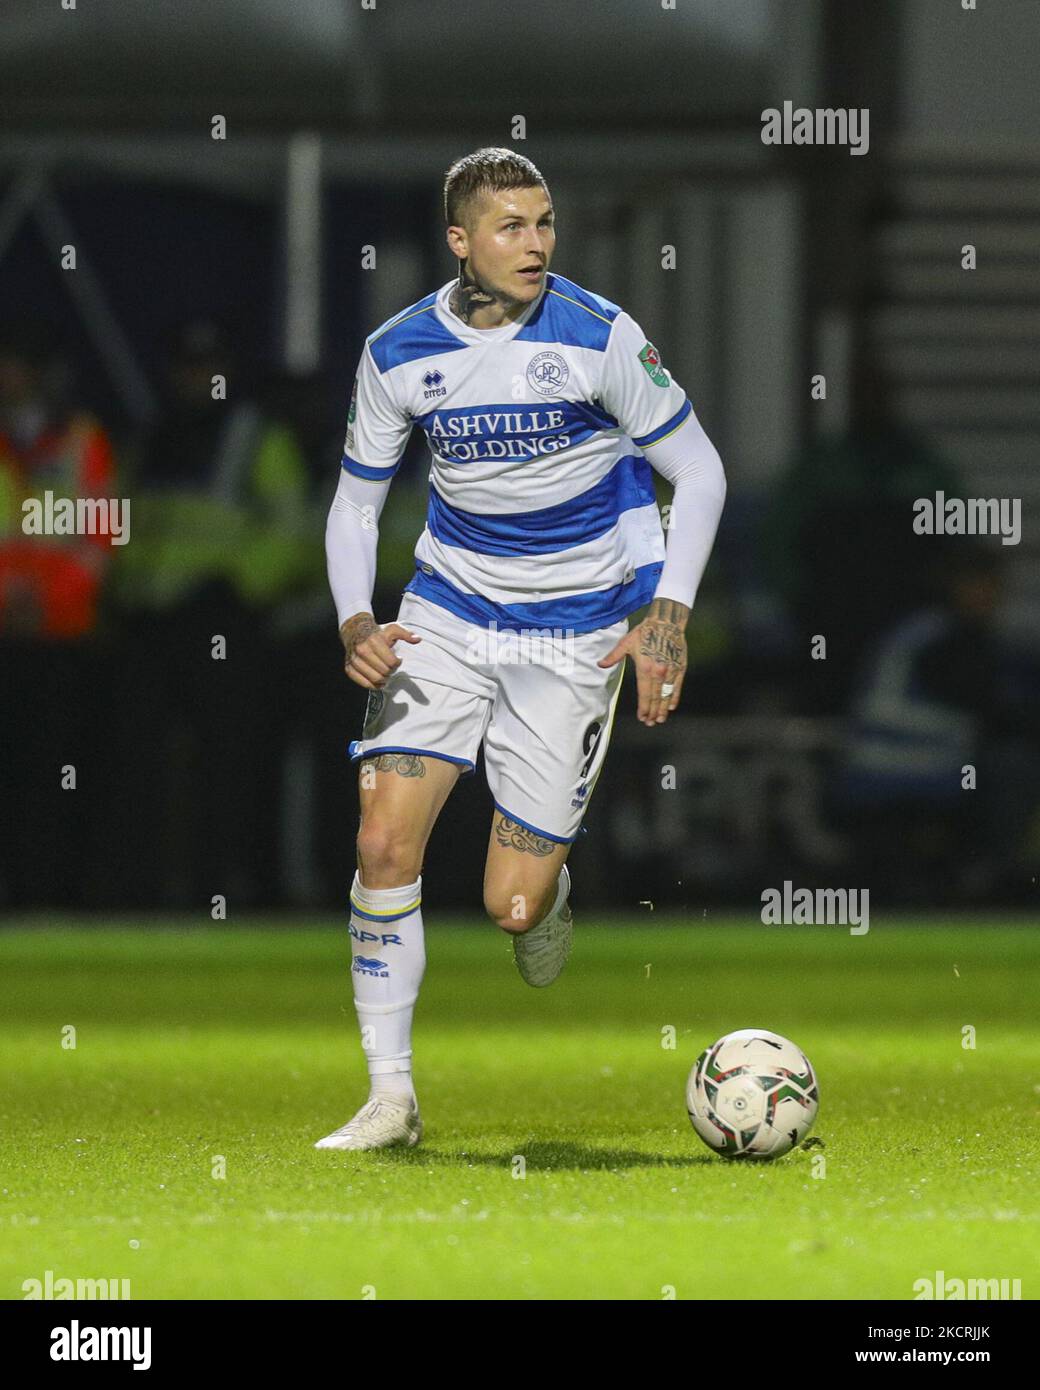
(433, 382)
(651, 360)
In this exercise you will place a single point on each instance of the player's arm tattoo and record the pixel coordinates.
(404, 764)
(513, 836)
(662, 633)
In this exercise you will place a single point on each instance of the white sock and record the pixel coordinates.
(389, 957)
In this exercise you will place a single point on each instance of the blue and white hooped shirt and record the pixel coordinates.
(542, 510)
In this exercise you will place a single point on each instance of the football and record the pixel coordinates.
(752, 1094)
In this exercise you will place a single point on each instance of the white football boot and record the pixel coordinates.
(380, 1123)
(541, 953)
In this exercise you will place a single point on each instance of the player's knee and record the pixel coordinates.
(513, 911)
(388, 858)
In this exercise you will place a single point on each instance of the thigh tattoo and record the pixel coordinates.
(405, 764)
(513, 836)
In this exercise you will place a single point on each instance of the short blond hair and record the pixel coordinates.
(490, 170)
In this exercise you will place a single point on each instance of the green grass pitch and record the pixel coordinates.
(196, 1044)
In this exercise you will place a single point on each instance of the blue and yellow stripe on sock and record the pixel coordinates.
(391, 914)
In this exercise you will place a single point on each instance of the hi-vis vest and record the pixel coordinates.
(50, 583)
(249, 525)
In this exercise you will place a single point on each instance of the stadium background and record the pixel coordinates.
(244, 255)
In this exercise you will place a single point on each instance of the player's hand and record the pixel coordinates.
(658, 649)
(368, 648)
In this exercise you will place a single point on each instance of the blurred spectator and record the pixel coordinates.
(839, 543)
(219, 489)
(49, 595)
(49, 584)
(942, 766)
(221, 536)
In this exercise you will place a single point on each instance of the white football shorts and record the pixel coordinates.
(536, 699)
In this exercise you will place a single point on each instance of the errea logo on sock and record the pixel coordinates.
(366, 965)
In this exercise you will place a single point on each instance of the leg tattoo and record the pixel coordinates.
(405, 764)
(513, 836)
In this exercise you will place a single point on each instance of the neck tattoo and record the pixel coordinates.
(467, 297)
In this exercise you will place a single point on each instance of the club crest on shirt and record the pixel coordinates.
(651, 360)
(547, 373)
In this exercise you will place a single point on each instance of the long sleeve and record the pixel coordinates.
(351, 540)
(652, 408)
(377, 432)
(689, 460)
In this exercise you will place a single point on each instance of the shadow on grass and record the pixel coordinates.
(544, 1156)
